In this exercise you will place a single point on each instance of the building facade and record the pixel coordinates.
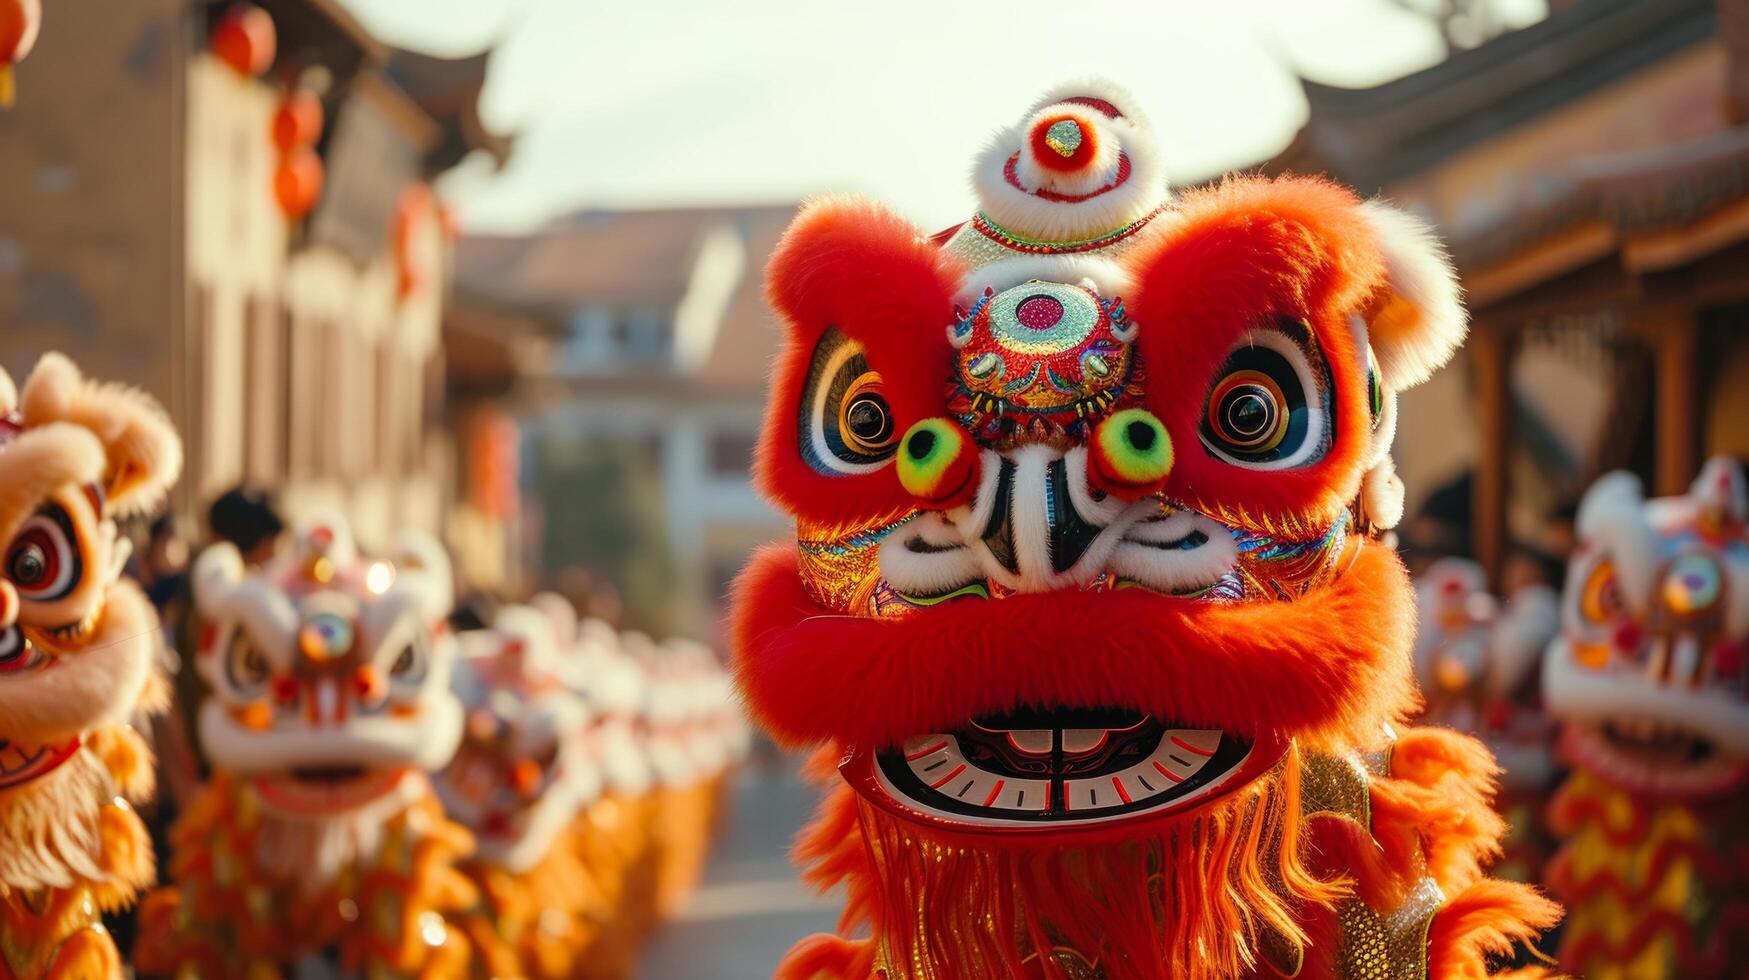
(142, 234)
(636, 347)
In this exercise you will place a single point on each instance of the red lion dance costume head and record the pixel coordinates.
(1085, 594)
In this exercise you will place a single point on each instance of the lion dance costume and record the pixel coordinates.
(319, 831)
(78, 651)
(1479, 663)
(1649, 683)
(1086, 596)
(519, 781)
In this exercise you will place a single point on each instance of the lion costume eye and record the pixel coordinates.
(1268, 408)
(847, 427)
(246, 667)
(411, 664)
(1600, 601)
(43, 562)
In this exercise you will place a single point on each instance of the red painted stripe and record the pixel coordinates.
(939, 782)
(1186, 746)
(1122, 793)
(994, 791)
(920, 753)
(1169, 774)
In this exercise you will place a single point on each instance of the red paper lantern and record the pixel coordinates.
(298, 122)
(19, 23)
(415, 207)
(298, 182)
(244, 38)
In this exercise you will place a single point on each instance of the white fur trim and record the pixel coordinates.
(1420, 274)
(927, 573)
(1381, 495)
(1137, 557)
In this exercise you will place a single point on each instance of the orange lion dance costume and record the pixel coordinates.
(78, 649)
(1649, 683)
(1086, 595)
(320, 831)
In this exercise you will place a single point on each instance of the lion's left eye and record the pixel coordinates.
(42, 562)
(1268, 406)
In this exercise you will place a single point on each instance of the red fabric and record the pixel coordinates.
(1328, 670)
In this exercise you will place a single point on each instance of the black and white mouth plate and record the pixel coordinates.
(1046, 770)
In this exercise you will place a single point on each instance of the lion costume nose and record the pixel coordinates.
(1033, 524)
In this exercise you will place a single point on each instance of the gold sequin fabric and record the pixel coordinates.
(1388, 947)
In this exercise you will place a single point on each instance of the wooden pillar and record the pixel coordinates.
(1489, 348)
(1674, 333)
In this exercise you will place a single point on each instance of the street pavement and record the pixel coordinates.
(750, 908)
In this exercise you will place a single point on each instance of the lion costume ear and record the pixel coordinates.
(143, 454)
(865, 300)
(1419, 320)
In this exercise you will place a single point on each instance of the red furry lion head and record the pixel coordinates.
(1086, 489)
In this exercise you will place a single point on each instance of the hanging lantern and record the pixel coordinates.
(414, 208)
(298, 122)
(298, 182)
(19, 22)
(244, 38)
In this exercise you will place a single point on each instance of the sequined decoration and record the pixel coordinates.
(1338, 785)
(1388, 947)
(1286, 568)
(981, 241)
(840, 569)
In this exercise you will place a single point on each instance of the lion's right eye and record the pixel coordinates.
(846, 425)
(246, 667)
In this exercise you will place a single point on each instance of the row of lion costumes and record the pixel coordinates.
(78, 664)
(1088, 607)
(591, 773)
(1478, 660)
(1619, 712)
(396, 800)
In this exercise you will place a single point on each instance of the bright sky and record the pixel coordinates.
(664, 102)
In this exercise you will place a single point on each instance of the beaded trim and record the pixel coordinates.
(1007, 239)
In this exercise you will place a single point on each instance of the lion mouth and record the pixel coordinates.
(317, 790)
(1656, 743)
(1045, 768)
(19, 764)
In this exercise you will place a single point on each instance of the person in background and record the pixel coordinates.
(248, 518)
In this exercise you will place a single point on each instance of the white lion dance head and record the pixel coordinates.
(330, 679)
(523, 771)
(1649, 674)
